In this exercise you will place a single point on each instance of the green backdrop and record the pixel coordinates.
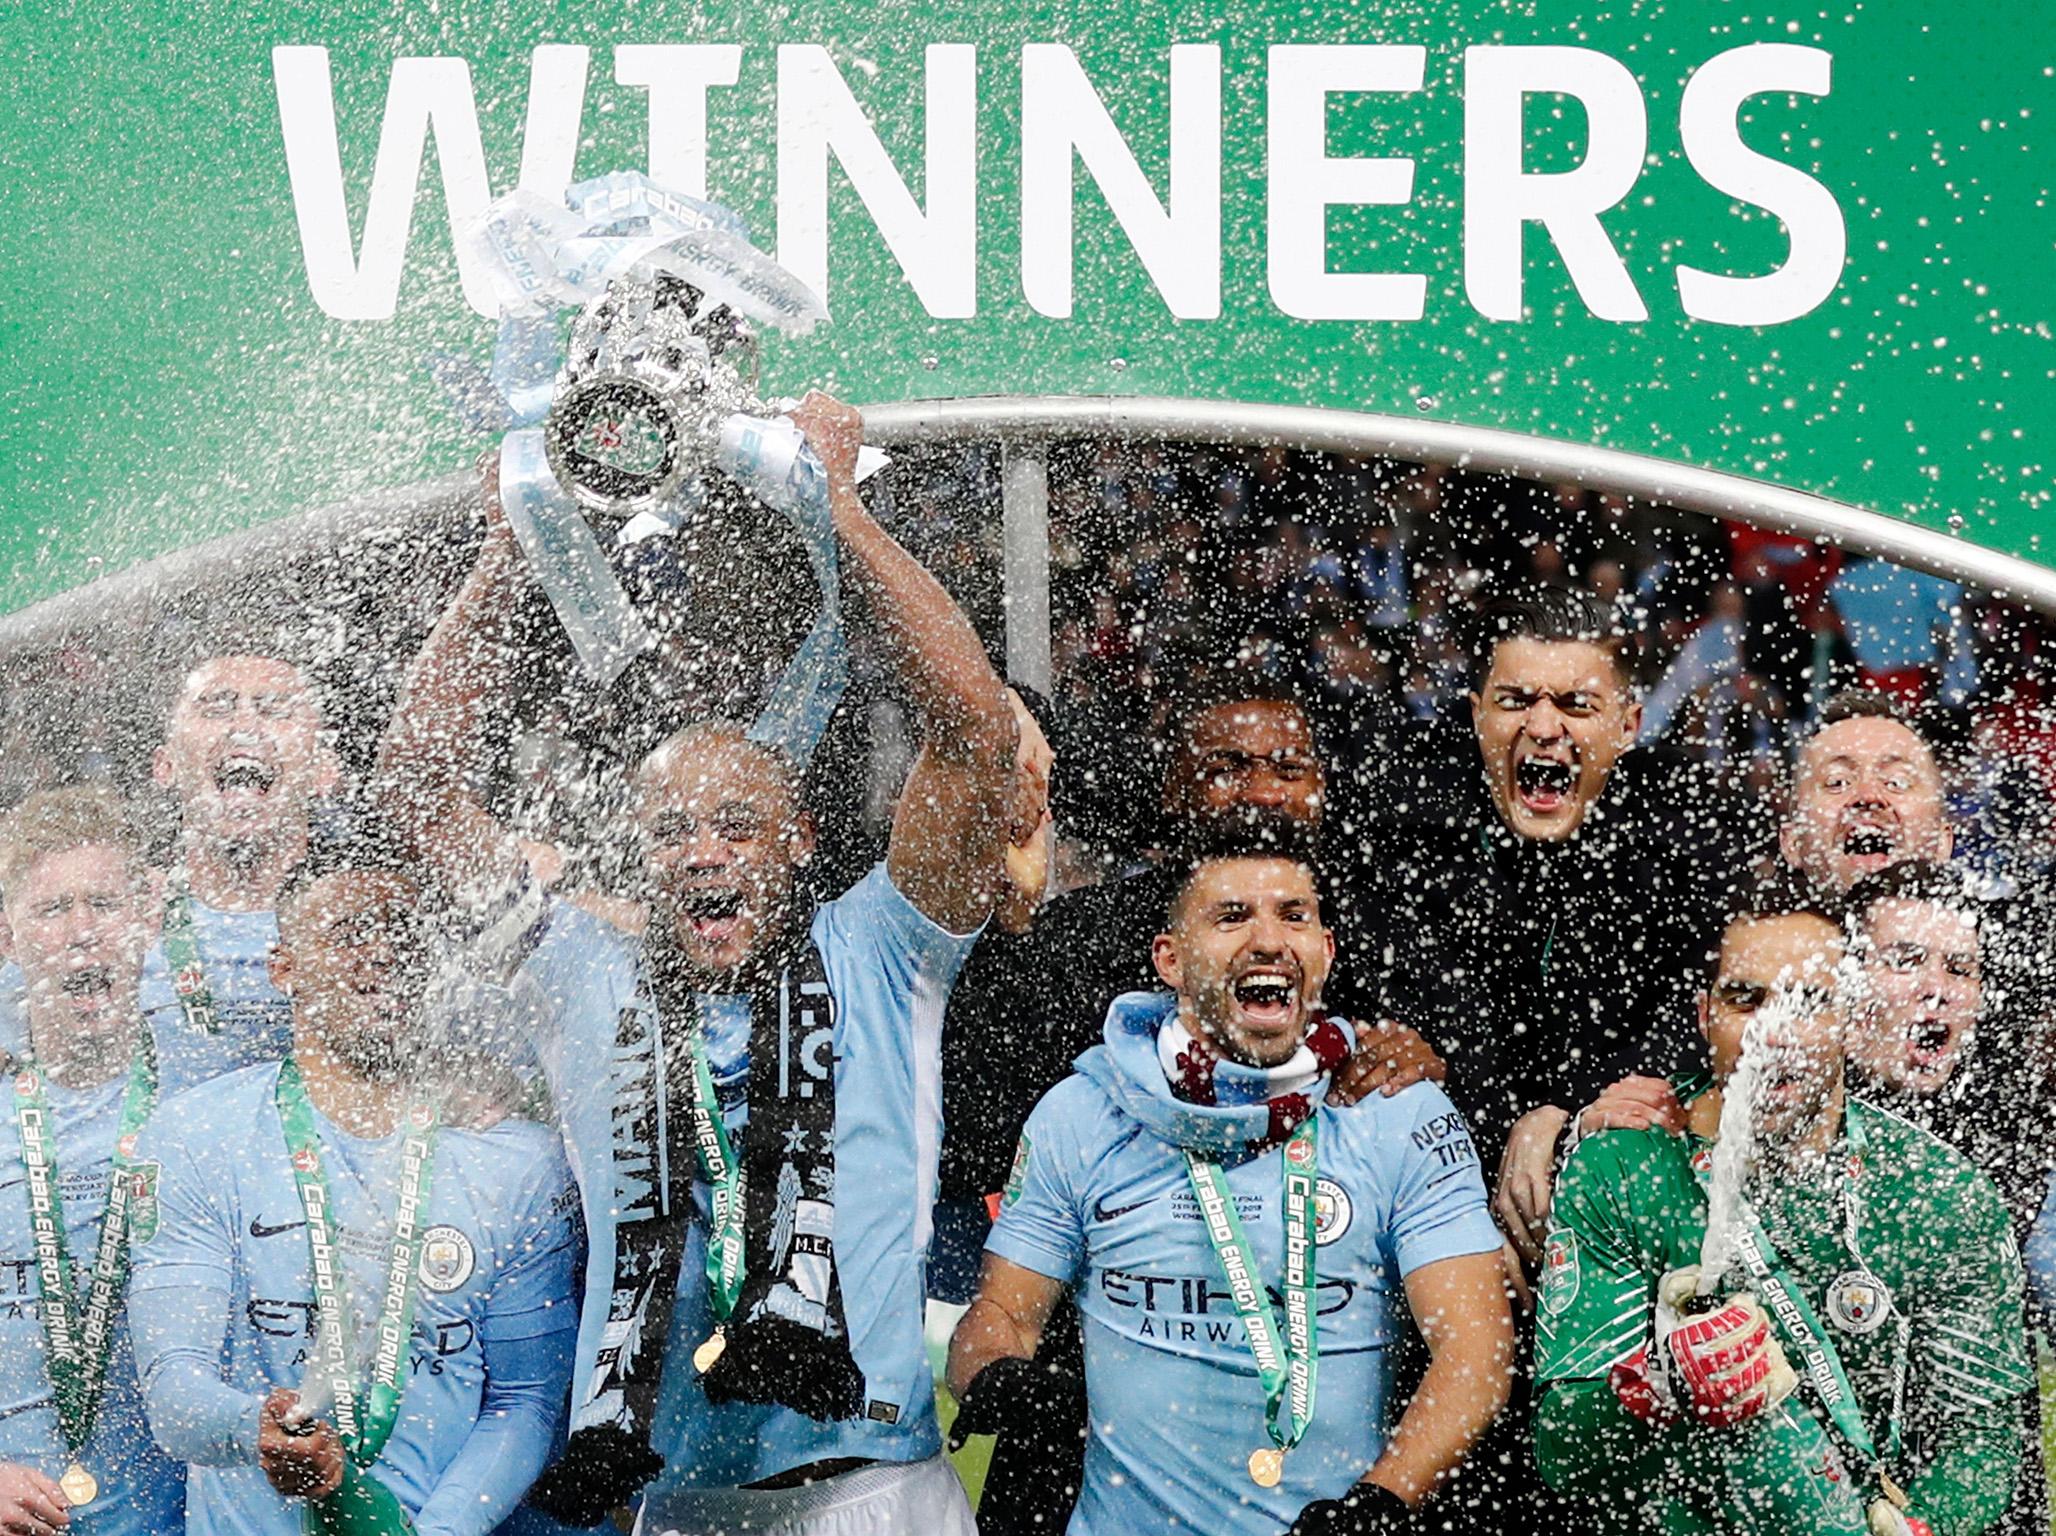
(169, 374)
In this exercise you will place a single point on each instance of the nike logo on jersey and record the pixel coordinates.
(259, 1230)
(1102, 1212)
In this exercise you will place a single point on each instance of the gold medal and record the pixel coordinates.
(704, 1357)
(1266, 1466)
(79, 1485)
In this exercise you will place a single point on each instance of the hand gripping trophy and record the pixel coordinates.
(616, 439)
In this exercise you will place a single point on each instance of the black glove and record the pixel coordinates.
(602, 1469)
(1014, 1393)
(1368, 1509)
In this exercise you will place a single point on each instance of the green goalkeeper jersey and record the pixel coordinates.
(1630, 1206)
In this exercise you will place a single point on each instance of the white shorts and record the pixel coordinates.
(887, 1498)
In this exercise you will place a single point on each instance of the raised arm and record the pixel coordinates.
(950, 828)
(433, 760)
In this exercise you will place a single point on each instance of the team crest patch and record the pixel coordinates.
(1858, 1302)
(142, 1200)
(447, 1258)
(1332, 1212)
(1560, 1273)
(1018, 1174)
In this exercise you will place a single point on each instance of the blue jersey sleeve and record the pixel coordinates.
(1438, 1196)
(876, 914)
(526, 1379)
(1041, 1223)
(536, 1292)
(179, 1296)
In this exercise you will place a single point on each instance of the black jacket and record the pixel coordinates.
(1545, 971)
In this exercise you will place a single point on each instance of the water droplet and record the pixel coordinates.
(1425, 402)
(1117, 363)
(931, 362)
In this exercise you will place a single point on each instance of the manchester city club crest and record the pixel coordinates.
(447, 1258)
(1332, 1211)
(1858, 1302)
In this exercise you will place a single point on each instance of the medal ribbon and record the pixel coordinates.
(723, 1171)
(182, 958)
(1285, 1366)
(1795, 1319)
(79, 1332)
(364, 1425)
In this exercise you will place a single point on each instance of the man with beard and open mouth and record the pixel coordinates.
(353, 1314)
(757, 1077)
(1856, 1365)
(1236, 1243)
(1542, 891)
(246, 758)
(1241, 749)
(75, 1452)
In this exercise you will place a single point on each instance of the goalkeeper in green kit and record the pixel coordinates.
(1855, 1364)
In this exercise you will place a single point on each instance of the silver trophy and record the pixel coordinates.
(613, 472)
(653, 370)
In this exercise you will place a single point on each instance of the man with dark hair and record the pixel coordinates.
(1866, 793)
(343, 1296)
(1241, 747)
(247, 758)
(1220, 1085)
(755, 1076)
(1803, 1316)
(1542, 892)
(1543, 918)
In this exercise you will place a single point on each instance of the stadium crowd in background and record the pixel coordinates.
(464, 1108)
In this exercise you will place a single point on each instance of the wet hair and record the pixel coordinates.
(1863, 704)
(1921, 880)
(53, 821)
(1263, 834)
(1542, 611)
(264, 645)
(365, 846)
(1779, 892)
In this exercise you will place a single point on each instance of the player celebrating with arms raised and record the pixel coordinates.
(1190, 1171)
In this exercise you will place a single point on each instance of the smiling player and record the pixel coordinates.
(429, 1377)
(246, 756)
(1190, 1172)
(1859, 1368)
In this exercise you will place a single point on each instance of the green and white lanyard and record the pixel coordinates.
(1787, 1305)
(182, 958)
(79, 1330)
(364, 1427)
(1285, 1365)
(723, 1171)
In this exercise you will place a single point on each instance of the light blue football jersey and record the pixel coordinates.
(253, 1019)
(141, 1489)
(890, 969)
(1100, 1199)
(496, 1299)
